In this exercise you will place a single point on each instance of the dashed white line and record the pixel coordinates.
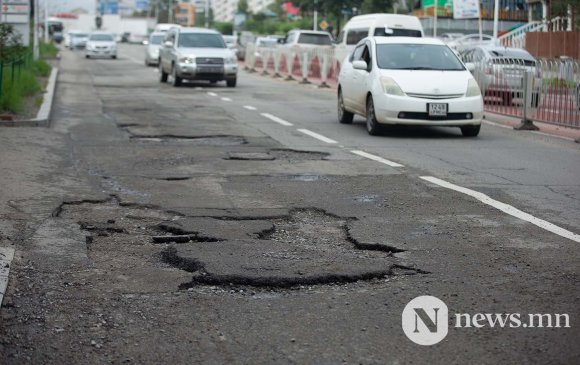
(212, 94)
(249, 107)
(376, 158)
(506, 208)
(319, 137)
(276, 119)
(226, 99)
(198, 88)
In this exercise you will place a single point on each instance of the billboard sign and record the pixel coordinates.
(141, 5)
(465, 9)
(109, 7)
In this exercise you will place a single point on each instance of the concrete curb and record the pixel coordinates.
(6, 256)
(43, 116)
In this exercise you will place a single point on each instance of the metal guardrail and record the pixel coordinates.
(11, 71)
(546, 90)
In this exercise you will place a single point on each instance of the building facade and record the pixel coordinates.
(184, 14)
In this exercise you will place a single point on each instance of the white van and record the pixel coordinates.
(164, 27)
(361, 26)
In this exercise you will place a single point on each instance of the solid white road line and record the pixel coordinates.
(141, 62)
(319, 137)
(506, 208)
(377, 158)
(249, 107)
(276, 119)
(212, 94)
(226, 99)
(6, 256)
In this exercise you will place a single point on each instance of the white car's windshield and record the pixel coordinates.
(101, 37)
(318, 39)
(201, 40)
(156, 39)
(417, 57)
(79, 35)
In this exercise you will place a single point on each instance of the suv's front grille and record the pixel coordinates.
(209, 61)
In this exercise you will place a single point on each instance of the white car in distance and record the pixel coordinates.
(408, 81)
(101, 44)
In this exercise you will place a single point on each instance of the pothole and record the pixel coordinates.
(277, 154)
(217, 140)
(307, 246)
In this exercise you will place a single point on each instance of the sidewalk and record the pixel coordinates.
(545, 128)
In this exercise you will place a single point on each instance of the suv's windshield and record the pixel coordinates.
(394, 32)
(318, 39)
(79, 35)
(201, 40)
(417, 57)
(157, 39)
(101, 37)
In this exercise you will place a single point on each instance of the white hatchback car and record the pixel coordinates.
(413, 81)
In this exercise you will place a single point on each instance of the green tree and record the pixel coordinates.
(243, 6)
(377, 6)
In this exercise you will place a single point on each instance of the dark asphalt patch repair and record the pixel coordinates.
(307, 246)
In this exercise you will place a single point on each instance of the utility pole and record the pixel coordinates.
(495, 20)
(170, 10)
(46, 20)
(35, 21)
(207, 14)
(315, 15)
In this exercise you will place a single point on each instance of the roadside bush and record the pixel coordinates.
(41, 68)
(48, 50)
(19, 72)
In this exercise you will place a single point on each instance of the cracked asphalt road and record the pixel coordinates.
(155, 224)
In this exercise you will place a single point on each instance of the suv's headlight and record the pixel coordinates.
(472, 88)
(231, 59)
(391, 87)
(186, 60)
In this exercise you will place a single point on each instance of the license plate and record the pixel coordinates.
(437, 109)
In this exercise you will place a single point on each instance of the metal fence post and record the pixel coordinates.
(1, 78)
(527, 124)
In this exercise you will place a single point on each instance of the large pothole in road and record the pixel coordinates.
(308, 247)
(304, 247)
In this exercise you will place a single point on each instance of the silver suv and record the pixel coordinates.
(196, 54)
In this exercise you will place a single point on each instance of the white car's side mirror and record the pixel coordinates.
(168, 44)
(470, 66)
(359, 65)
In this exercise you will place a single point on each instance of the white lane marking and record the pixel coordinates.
(276, 119)
(377, 158)
(319, 137)
(212, 94)
(156, 70)
(226, 99)
(6, 256)
(198, 88)
(249, 107)
(506, 208)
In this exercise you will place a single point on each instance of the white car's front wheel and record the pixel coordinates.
(344, 116)
(373, 126)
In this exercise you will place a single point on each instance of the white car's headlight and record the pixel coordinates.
(472, 88)
(391, 87)
(186, 60)
(232, 59)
